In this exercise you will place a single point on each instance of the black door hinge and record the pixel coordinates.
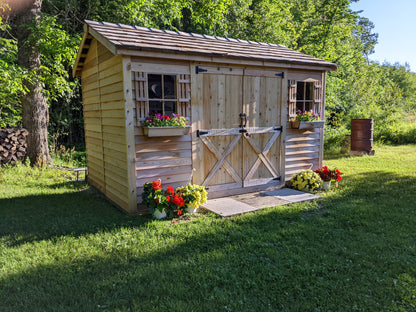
(200, 70)
(282, 74)
(199, 133)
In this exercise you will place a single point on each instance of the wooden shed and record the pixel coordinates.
(237, 96)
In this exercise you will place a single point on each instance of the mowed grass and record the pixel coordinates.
(65, 248)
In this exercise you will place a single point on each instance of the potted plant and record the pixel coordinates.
(306, 180)
(156, 125)
(307, 120)
(162, 203)
(194, 196)
(327, 175)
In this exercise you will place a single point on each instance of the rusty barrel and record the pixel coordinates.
(362, 134)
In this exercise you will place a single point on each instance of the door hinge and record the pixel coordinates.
(277, 178)
(199, 133)
(280, 128)
(200, 70)
(282, 74)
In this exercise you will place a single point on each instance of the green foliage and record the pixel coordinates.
(327, 29)
(64, 248)
(11, 77)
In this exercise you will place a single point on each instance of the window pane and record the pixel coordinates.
(308, 106)
(155, 107)
(299, 93)
(169, 86)
(170, 107)
(299, 106)
(309, 91)
(155, 86)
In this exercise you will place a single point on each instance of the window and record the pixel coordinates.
(304, 95)
(162, 94)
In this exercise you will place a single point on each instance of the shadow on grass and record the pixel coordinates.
(41, 217)
(360, 257)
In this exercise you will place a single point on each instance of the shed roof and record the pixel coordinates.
(131, 40)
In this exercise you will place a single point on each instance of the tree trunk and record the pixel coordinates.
(34, 105)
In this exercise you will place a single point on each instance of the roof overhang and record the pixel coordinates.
(116, 38)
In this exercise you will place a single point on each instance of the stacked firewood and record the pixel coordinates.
(12, 145)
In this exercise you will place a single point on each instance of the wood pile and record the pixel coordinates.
(13, 146)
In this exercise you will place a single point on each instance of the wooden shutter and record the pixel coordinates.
(183, 86)
(317, 99)
(292, 99)
(140, 95)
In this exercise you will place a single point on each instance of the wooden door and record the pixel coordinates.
(217, 149)
(237, 126)
(262, 141)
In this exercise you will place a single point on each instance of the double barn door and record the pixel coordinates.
(237, 118)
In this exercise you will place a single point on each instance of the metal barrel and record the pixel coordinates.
(362, 134)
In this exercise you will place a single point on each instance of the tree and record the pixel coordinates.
(34, 106)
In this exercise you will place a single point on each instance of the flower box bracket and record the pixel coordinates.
(306, 124)
(165, 131)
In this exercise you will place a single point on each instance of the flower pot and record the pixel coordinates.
(307, 124)
(190, 209)
(326, 185)
(159, 215)
(165, 131)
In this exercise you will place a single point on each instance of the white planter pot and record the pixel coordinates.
(326, 185)
(159, 215)
(190, 210)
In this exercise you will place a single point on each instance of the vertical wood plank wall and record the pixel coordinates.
(105, 122)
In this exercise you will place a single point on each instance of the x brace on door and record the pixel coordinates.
(238, 134)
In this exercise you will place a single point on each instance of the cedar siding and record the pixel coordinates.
(237, 97)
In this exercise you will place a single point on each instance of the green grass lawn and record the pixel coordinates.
(64, 248)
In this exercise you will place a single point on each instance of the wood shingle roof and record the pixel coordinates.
(135, 40)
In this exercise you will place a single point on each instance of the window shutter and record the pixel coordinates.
(140, 95)
(292, 99)
(317, 97)
(184, 95)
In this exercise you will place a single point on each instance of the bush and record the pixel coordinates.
(334, 138)
(397, 133)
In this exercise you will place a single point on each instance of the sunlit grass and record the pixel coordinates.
(65, 248)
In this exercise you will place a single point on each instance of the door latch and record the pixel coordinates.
(243, 120)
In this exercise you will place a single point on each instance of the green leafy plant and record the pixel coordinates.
(306, 180)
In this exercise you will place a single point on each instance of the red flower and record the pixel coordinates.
(157, 185)
(168, 198)
(181, 202)
(176, 200)
(157, 200)
(170, 190)
(179, 212)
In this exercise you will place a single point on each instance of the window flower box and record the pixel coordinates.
(306, 124)
(165, 131)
